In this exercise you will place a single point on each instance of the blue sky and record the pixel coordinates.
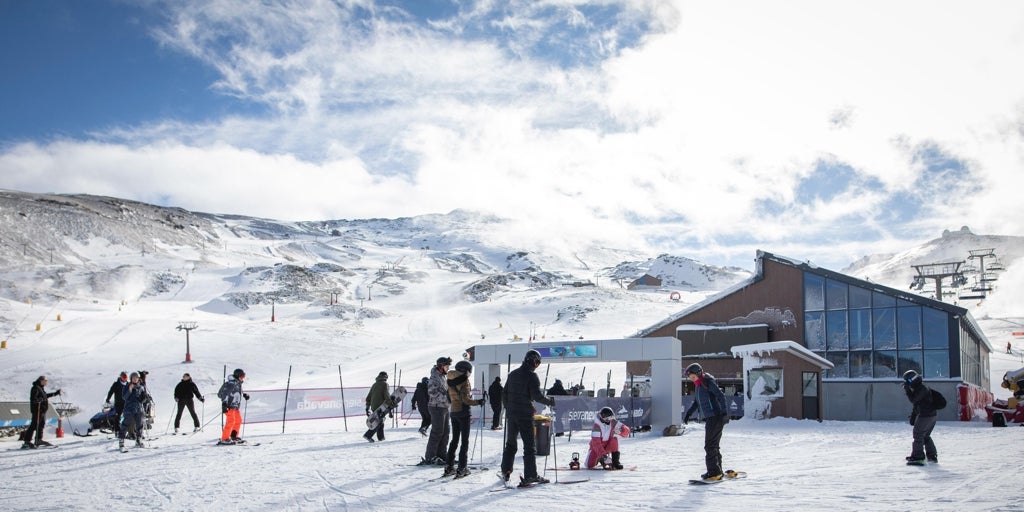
(706, 129)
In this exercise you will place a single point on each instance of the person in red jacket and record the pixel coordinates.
(603, 441)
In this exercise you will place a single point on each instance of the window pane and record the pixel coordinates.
(814, 331)
(860, 364)
(836, 337)
(835, 295)
(908, 324)
(841, 360)
(860, 329)
(909, 360)
(881, 300)
(765, 382)
(883, 328)
(859, 298)
(810, 383)
(814, 292)
(936, 364)
(885, 364)
(936, 329)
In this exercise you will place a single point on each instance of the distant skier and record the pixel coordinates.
(420, 403)
(461, 411)
(135, 399)
(183, 393)
(603, 442)
(231, 397)
(710, 401)
(522, 389)
(494, 395)
(377, 396)
(117, 391)
(922, 417)
(39, 403)
(557, 389)
(437, 392)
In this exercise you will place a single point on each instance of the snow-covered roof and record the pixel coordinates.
(763, 349)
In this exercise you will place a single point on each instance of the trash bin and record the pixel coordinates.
(542, 434)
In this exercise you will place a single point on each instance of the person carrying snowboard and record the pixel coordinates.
(922, 418)
(709, 400)
(419, 402)
(377, 396)
(494, 395)
(134, 417)
(603, 441)
(183, 393)
(117, 391)
(39, 403)
(522, 388)
(438, 401)
(231, 397)
(458, 392)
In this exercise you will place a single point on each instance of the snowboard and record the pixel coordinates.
(376, 416)
(736, 476)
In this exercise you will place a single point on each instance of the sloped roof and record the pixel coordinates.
(758, 349)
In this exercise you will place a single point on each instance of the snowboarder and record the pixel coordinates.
(522, 388)
(231, 396)
(462, 403)
(117, 391)
(557, 389)
(419, 402)
(39, 403)
(494, 395)
(922, 418)
(709, 400)
(438, 401)
(603, 441)
(183, 394)
(377, 396)
(134, 416)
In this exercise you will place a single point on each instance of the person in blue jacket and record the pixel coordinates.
(134, 417)
(709, 401)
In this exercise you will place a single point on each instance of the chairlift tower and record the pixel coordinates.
(938, 272)
(187, 327)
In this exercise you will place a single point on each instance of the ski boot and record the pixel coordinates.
(615, 461)
(448, 471)
(462, 472)
(40, 442)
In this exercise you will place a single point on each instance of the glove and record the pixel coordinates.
(367, 410)
(58, 392)
(414, 406)
(391, 413)
(224, 407)
(245, 396)
(201, 399)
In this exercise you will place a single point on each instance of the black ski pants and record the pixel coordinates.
(712, 439)
(182, 404)
(496, 420)
(460, 433)
(520, 426)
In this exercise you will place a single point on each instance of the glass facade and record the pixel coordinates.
(871, 335)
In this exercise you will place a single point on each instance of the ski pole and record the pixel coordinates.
(554, 449)
(168, 428)
(245, 409)
(204, 413)
(207, 423)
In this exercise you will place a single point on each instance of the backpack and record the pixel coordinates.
(938, 401)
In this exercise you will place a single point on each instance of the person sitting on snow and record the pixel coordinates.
(603, 441)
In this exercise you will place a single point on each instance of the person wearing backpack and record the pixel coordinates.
(922, 417)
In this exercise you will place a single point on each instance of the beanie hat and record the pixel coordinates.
(464, 366)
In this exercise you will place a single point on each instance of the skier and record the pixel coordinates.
(231, 396)
(135, 398)
(117, 391)
(710, 401)
(438, 401)
(39, 403)
(522, 388)
(183, 394)
(419, 402)
(494, 394)
(377, 396)
(603, 441)
(462, 403)
(922, 418)
(557, 389)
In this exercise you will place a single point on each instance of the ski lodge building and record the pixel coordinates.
(797, 319)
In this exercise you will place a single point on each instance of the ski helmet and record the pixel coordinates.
(464, 366)
(238, 373)
(606, 413)
(532, 356)
(695, 369)
(911, 377)
(444, 361)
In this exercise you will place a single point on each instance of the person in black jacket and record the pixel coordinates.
(494, 393)
(922, 417)
(38, 404)
(522, 388)
(557, 389)
(116, 390)
(420, 403)
(710, 401)
(183, 393)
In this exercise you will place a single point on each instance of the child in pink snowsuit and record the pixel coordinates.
(603, 441)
